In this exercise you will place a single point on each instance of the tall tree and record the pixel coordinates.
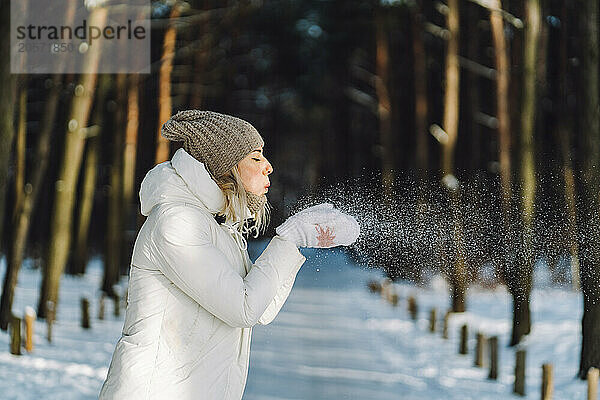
(514, 274)
(458, 278)
(472, 96)
(451, 89)
(420, 75)
(7, 95)
(79, 260)
(523, 281)
(382, 64)
(201, 56)
(19, 218)
(114, 229)
(64, 198)
(589, 232)
(78, 263)
(22, 219)
(502, 109)
(165, 107)
(563, 131)
(20, 145)
(129, 161)
(32, 189)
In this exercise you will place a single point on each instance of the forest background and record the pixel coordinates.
(467, 130)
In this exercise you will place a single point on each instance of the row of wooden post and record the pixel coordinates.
(85, 309)
(30, 316)
(387, 292)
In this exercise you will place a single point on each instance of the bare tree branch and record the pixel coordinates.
(492, 6)
(477, 68)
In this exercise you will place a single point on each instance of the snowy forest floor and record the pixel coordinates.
(332, 340)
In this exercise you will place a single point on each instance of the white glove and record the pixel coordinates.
(320, 226)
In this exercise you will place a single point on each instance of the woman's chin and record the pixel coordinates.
(259, 192)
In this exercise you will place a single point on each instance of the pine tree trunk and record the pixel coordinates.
(114, 229)
(201, 59)
(421, 112)
(563, 131)
(86, 203)
(420, 71)
(61, 225)
(589, 233)
(452, 89)
(472, 97)
(590, 344)
(521, 316)
(7, 96)
(532, 34)
(164, 85)
(382, 65)
(20, 148)
(524, 271)
(458, 279)
(509, 269)
(129, 161)
(16, 250)
(131, 138)
(503, 116)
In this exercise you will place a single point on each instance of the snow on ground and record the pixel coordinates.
(332, 340)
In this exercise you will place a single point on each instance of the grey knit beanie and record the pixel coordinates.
(219, 141)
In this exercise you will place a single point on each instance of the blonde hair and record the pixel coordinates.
(236, 203)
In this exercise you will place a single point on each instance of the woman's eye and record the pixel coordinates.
(256, 159)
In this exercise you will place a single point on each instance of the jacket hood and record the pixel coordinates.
(183, 180)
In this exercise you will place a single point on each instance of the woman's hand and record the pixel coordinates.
(320, 226)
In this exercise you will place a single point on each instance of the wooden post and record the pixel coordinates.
(101, 306)
(592, 379)
(547, 382)
(479, 349)
(386, 285)
(29, 320)
(50, 316)
(117, 310)
(520, 372)
(15, 335)
(464, 336)
(412, 308)
(493, 346)
(394, 299)
(85, 313)
(445, 327)
(432, 318)
(374, 286)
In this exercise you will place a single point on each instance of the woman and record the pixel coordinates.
(194, 294)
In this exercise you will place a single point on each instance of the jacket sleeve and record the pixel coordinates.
(280, 297)
(188, 258)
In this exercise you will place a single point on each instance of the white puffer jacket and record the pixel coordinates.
(194, 294)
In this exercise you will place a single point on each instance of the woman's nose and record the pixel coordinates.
(269, 168)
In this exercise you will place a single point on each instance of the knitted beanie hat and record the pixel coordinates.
(219, 141)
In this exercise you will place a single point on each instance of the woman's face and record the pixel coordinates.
(254, 171)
